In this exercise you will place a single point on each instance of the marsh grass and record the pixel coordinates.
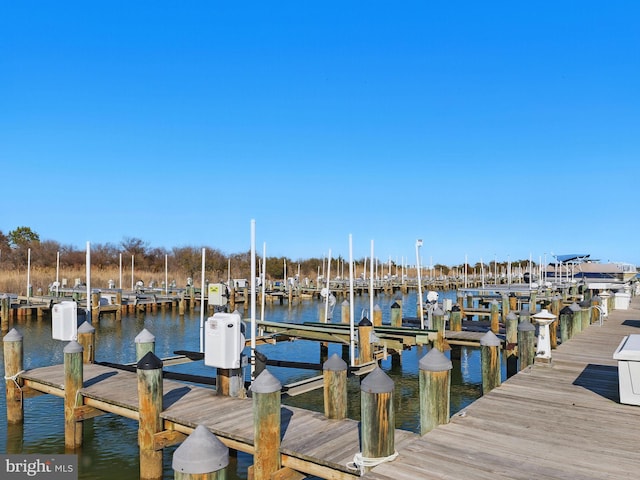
(15, 280)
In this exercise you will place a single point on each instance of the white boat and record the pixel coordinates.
(580, 267)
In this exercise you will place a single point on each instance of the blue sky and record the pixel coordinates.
(487, 129)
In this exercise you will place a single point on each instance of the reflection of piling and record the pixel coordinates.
(150, 391)
(435, 390)
(377, 415)
(266, 426)
(13, 364)
(335, 388)
(87, 338)
(72, 384)
(202, 456)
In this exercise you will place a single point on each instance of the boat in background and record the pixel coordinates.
(580, 267)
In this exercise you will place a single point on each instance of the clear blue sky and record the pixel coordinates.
(487, 129)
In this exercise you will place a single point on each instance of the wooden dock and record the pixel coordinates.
(558, 422)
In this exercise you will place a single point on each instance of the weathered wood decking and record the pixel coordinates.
(559, 422)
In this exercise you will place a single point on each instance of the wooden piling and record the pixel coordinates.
(576, 320)
(365, 353)
(377, 316)
(455, 319)
(119, 304)
(505, 308)
(13, 366)
(526, 344)
(585, 314)
(334, 372)
(266, 426)
(396, 314)
(495, 316)
(438, 324)
(566, 324)
(345, 316)
(490, 357)
(87, 338)
(95, 305)
(150, 391)
(533, 302)
(73, 372)
(595, 313)
(511, 330)
(435, 390)
(5, 312)
(145, 342)
(202, 456)
(377, 415)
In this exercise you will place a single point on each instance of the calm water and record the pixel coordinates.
(110, 442)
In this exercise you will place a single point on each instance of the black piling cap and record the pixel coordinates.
(365, 322)
(566, 311)
(455, 308)
(149, 362)
(395, 305)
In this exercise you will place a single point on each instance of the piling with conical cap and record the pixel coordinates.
(87, 338)
(490, 357)
(202, 456)
(435, 390)
(150, 392)
(265, 391)
(73, 378)
(335, 387)
(377, 415)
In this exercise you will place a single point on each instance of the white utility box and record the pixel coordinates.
(621, 301)
(64, 321)
(628, 356)
(217, 294)
(224, 340)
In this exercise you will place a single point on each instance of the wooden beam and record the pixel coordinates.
(167, 438)
(85, 412)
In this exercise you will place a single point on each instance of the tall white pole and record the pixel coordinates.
(351, 306)
(166, 274)
(253, 294)
(88, 266)
(120, 287)
(57, 273)
(28, 272)
(465, 270)
(202, 288)
(264, 279)
(132, 267)
(371, 285)
(326, 300)
(420, 312)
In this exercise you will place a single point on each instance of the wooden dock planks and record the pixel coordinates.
(559, 422)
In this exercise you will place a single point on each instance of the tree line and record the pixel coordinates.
(16, 244)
